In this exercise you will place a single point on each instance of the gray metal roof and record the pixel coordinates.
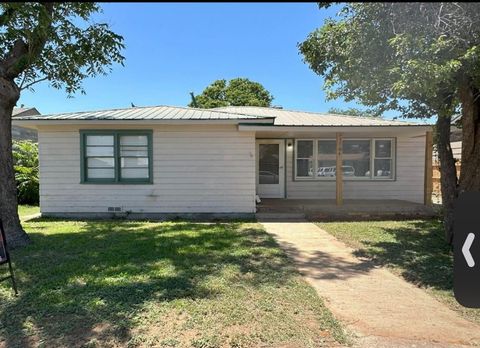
(273, 116)
(146, 113)
(304, 118)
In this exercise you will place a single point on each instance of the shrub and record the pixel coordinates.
(25, 161)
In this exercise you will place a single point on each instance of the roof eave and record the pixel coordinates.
(52, 122)
(247, 127)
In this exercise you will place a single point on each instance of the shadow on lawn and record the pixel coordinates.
(419, 250)
(75, 286)
(326, 265)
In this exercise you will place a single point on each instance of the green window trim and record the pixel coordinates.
(116, 155)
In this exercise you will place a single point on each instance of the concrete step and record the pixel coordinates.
(290, 217)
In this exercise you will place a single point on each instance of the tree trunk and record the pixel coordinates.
(470, 170)
(448, 173)
(15, 234)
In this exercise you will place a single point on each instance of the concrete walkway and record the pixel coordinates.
(380, 308)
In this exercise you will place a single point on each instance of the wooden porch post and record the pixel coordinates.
(338, 171)
(428, 169)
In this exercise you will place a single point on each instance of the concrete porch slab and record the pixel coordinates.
(354, 209)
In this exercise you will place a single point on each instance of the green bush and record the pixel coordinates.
(25, 160)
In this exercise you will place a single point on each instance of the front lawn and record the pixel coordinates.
(415, 250)
(28, 210)
(118, 283)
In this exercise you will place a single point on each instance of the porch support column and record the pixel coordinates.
(428, 169)
(338, 171)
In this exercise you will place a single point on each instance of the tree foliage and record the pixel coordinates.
(25, 157)
(236, 92)
(57, 42)
(401, 56)
(353, 112)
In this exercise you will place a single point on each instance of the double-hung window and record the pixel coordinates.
(356, 158)
(304, 161)
(116, 156)
(362, 159)
(383, 162)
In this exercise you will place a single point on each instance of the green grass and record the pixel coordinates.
(415, 250)
(26, 210)
(118, 283)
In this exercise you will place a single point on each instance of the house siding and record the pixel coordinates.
(196, 169)
(408, 184)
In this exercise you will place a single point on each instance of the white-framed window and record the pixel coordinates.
(326, 158)
(356, 159)
(362, 159)
(383, 160)
(304, 151)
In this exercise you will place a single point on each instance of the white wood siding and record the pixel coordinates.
(408, 185)
(201, 169)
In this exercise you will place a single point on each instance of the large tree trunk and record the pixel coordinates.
(448, 173)
(470, 170)
(15, 234)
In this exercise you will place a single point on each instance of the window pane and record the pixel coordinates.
(304, 168)
(327, 158)
(101, 173)
(356, 158)
(268, 164)
(327, 147)
(134, 151)
(133, 140)
(134, 162)
(135, 173)
(383, 148)
(100, 140)
(383, 168)
(304, 149)
(326, 168)
(99, 151)
(100, 162)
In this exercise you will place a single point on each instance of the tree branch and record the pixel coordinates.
(23, 54)
(24, 78)
(28, 85)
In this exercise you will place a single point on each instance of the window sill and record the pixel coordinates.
(344, 179)
(116, 183)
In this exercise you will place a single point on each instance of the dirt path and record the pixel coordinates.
(382, 309)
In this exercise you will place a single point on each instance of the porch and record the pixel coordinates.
(351, 209)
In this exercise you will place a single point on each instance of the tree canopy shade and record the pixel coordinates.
(236, 92)
(54, 42)
(419, 58)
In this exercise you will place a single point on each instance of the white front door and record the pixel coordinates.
(270, 168)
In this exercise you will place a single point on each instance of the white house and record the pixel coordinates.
(148, 161)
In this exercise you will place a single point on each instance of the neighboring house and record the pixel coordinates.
(154, 160)
(21, 133)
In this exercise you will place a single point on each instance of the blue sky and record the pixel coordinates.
(172, 49)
